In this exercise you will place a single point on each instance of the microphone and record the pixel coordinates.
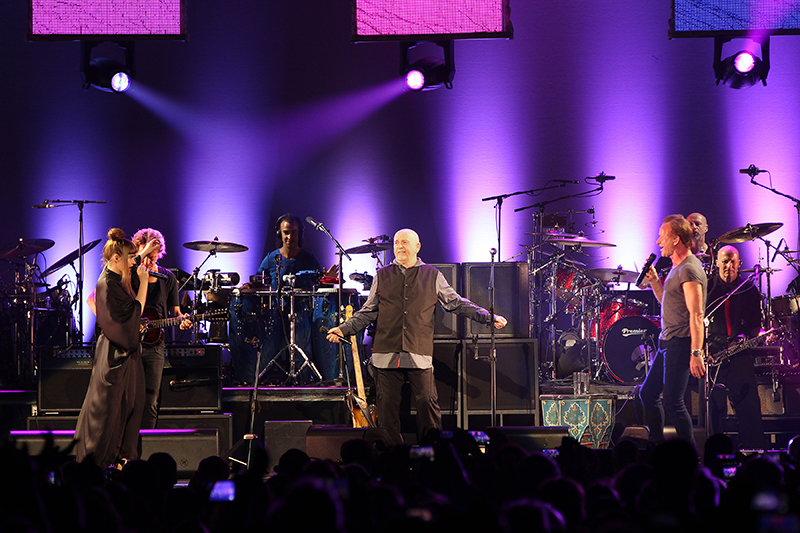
(493, 251)
(565, 181)
(751, 171)
(324, 331)
(317, 225)
(158, 275)
(44, 205)
(602, 178)
(645, 268)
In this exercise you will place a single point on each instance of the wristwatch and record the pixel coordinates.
(697, 353)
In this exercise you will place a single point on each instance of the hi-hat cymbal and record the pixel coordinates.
(749, 232)
(616, 275)
(215, 246)
(70, 257)
(579, 240)
(370, 248)
(25, 247)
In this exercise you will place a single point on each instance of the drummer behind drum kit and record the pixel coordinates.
(625, 336)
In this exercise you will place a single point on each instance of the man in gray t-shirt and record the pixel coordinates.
(680, 345)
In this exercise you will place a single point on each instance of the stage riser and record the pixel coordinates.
(187, 448)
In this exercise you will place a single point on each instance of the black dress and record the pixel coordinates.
(108, 425)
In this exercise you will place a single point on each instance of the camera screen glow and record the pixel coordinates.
(106, 17)
(399, 18)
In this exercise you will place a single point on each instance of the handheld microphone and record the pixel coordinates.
(317, 225)
(44, 205)
(565, 181)
(645, 268)
(324, 331)
(158, 275)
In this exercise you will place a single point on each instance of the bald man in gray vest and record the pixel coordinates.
(401, 302)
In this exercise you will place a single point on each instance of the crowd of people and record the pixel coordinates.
(454, 487)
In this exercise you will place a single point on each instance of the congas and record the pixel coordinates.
(629, 347)
(326, 353)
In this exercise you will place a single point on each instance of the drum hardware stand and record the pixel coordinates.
(249, 438)
(340, 289)
(197, 284)
(292, 347)
(753, 173)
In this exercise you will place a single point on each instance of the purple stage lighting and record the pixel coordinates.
(415, 80)
(744, 62)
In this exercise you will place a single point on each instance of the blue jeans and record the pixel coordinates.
(664, 388)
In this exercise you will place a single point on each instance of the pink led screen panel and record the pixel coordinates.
(100, 19)
(431, 19)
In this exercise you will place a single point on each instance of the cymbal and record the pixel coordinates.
(215, 246)
(70, 257)
(25, 247)
(616, 275)
(580, 240)
(370, 248)
(553, 234)
(749, 232)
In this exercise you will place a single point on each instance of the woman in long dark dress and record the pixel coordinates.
(108, 425)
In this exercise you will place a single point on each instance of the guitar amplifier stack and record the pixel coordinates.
(190, 383)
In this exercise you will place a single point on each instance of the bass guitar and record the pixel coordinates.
(362, 414)
(723, 355)
(152, 324)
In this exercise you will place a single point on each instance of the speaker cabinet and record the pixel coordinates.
(283, 435)
(325, 442)
(448, 325)
(63, 378)
(223, 423)
(517, 369)
(187, 446)
(529, 438)
(191, 378)
(510, 297)
(447, 357)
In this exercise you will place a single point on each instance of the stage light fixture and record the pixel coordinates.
(107, 74)
(742, 69)
(428, 73)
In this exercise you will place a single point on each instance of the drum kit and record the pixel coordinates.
(34, 314)
(608, 333)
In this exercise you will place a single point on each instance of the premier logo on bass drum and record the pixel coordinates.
(630, 332)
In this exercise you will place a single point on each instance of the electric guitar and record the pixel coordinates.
(152, 324)
(362, 415)
(723, 355)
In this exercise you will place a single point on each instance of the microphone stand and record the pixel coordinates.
(195, 278)
(492, 346)
(499, 206)
(339, 292)
(80, 273)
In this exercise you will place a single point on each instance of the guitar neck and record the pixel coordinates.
(176, 320)
(746, 344)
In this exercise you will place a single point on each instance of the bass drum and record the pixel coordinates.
(629, 347)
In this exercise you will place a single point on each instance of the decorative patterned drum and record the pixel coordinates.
(249, 327)
(326, 353)
(589, 417)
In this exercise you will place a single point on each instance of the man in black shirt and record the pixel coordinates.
(735, 320)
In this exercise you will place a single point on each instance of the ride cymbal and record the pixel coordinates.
(25, 247)
(215, 246)
(70, 257)
(749, 232)
(616, 275)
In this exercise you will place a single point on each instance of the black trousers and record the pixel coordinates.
(738, 377)
(388, 387)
